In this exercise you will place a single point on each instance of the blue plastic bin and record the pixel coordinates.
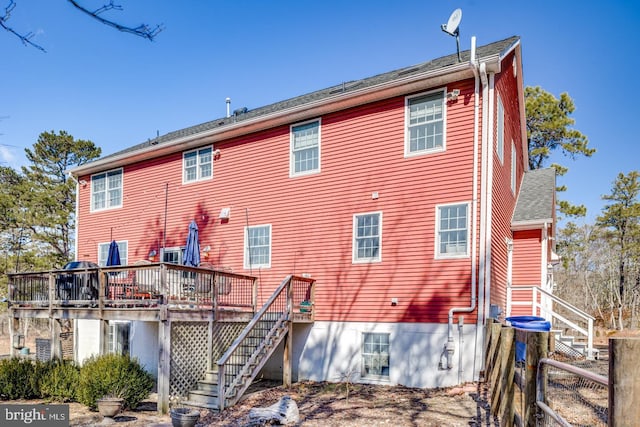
(530, 323)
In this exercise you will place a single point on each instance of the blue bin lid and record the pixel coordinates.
(524, 319)
(537, 325)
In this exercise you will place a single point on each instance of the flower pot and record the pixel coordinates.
(184, 417)
(110, 406)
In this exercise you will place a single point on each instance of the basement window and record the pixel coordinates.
(375, 355)
(119, 333)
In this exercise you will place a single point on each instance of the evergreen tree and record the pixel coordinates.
(549, 128)
(49, 202)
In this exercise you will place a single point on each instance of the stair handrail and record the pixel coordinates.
(580, 313)
(247, 330)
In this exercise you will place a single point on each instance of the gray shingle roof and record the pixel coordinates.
(536, 201)
(492, 49)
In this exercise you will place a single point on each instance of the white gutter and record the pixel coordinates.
(479, 72)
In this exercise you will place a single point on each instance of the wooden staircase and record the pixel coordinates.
(231, 375)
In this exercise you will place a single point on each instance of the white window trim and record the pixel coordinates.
(91, 207)
(113, 325)
(292, 173)
(372, 377)
(123, 261)
(247, 265)
(178, 249)
(500, 129)
(437, 253)
(354, 246)
(407, 137)
(513, 167)
(198, 179)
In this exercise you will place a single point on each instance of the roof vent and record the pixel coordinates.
(239, 111)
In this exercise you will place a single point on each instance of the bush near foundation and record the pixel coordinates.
(113, 375)
(60, 380)
(19, 379)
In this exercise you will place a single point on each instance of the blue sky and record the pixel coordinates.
(118, 90)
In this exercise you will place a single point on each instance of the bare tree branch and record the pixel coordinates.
(24, 38)
(143, 30)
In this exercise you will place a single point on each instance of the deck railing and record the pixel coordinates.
(250, 351)
(143, 285)
(558, 311)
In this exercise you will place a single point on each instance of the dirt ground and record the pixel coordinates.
(327, 404)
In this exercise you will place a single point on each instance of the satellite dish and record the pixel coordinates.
(451, 27)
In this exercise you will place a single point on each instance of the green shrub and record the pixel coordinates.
(18, 379)
(59, 381)
(116, 376)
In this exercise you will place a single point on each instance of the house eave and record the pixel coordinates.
(531, 224)
(397, 87)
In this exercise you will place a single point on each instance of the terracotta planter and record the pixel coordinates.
(184, 417)
(110, 406)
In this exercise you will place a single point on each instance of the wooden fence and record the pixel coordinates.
(515, 391)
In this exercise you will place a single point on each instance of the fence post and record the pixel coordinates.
(624, 381)
(537, 348)
(507, 368)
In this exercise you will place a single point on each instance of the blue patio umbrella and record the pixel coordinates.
(113, 258)
(192, 250)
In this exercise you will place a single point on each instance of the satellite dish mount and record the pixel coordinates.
(452, 28)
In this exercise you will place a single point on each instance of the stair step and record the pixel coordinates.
(211, 376)
(210, 406)
(203, 397)
(208, 386)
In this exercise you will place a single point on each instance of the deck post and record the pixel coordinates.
(54, 331)
(624, 381)
(287, 356)
(164, 365)
(14, 327)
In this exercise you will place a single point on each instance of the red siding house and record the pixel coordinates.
(406, 196)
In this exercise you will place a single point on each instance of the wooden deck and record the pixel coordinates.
(145, 292)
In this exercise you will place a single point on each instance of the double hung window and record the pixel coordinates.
(257, 243)
(367, 237)
(197, 165)
(425, 123)
(305, 148)
(106, 190)
(453, 230)
(375, 355)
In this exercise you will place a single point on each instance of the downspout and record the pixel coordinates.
(450, 346)
(76, 342)
(75, 240)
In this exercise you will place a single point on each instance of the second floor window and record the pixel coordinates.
(500, 131)
(425, 123)
(197, 165)
(305, 148)
(106, 190)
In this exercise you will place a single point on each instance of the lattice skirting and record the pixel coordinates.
(223, 336)
(188, 356)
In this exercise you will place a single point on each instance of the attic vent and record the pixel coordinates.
(239, 111)
(409, 71)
